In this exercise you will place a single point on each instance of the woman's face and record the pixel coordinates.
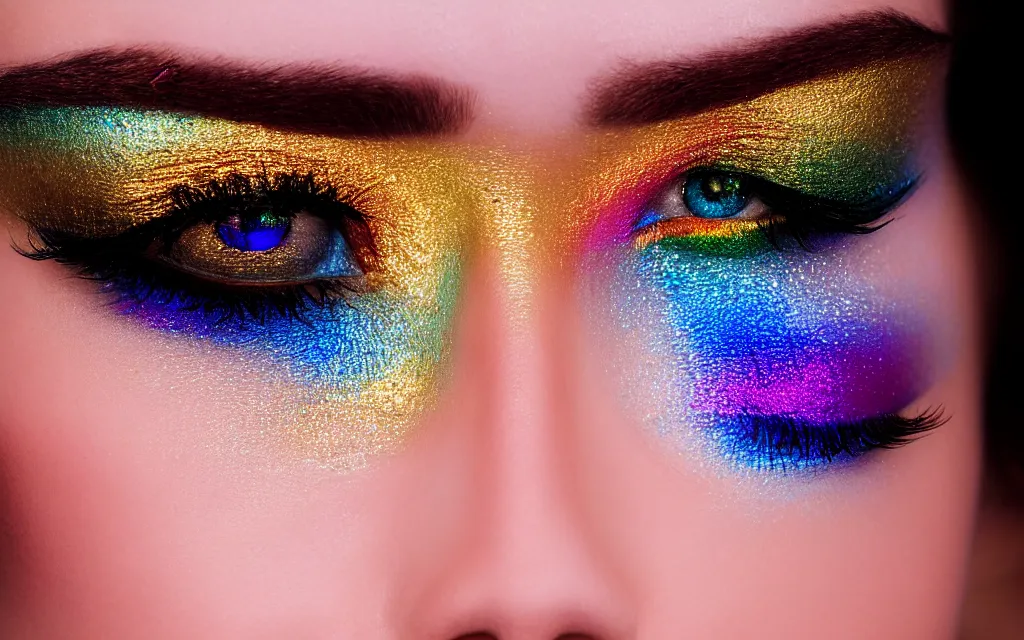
(415, 320)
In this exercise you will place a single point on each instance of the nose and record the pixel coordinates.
(521, 560)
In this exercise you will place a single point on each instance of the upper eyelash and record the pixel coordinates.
(806, 217)
(120, 263)
(801, 220)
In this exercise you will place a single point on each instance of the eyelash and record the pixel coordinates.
(808, 222)
(782, 443)
(123, 266)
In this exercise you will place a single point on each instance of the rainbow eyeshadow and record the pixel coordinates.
(712, 237)
(359, 370)
(759, 346)
(773, 337)
(846, 137)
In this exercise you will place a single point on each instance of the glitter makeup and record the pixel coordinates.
(779, 358)
(759, 343)
(844, 137)
(774, 337)
(362, 368)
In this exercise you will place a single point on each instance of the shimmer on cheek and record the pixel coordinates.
(358, 373)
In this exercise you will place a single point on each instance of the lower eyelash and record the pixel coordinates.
(134, 281)
(220, 306)
(783, 443)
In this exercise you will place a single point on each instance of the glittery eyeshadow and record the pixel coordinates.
(712, 237)
(843, 137)
(741, 330)
(747, 331)
(360, 371)
(805, 338)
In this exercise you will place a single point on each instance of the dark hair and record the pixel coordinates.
(980, 123)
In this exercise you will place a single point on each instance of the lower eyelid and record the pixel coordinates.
(725, 238)
(689, 226)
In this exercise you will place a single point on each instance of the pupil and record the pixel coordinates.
(715, 195)
(260, 232)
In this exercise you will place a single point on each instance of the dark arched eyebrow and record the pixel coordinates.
(664, 90)
(309, 99)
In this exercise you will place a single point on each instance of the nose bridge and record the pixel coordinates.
(528, 568)
(524, 408)
(528, 414)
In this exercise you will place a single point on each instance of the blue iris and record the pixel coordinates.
(715, 195)
(254, 232)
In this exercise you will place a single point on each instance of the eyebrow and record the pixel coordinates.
(654, 92)
(307, 99)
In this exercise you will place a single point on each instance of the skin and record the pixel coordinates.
(530, 502)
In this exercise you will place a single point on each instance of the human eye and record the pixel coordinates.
(240, 251)
(746, 260)
(731, 212)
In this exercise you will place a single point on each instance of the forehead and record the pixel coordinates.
(529, 62)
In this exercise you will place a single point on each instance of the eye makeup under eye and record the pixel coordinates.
(361, 357)
(779, 343)
(782, 352)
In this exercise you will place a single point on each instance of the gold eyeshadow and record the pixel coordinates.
(839, 137)
(99, 172)
(102, 175)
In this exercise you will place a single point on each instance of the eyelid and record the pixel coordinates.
(101, 171)
(838, 137)
(693, 227)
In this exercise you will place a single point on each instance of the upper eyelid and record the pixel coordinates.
(768, 138)
(116, 188)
